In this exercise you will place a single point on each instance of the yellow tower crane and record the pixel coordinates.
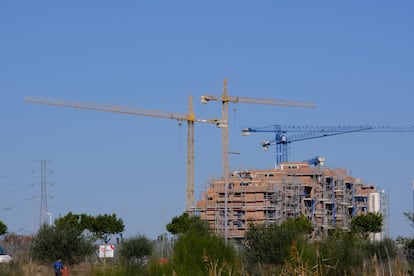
(190, 118)
(225, 99)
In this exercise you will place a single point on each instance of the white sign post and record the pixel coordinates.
(106, 251)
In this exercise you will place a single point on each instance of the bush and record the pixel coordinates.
(67, 243)
(383, 250)
(198, 253)
(271, 244)
(136, 250)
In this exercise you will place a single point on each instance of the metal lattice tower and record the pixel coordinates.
(385, 211)
(43, 193)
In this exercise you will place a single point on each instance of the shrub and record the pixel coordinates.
(67, 243)
(136, 250)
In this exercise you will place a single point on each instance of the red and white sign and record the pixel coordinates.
(106, 251)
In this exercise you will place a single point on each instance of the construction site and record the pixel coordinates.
(329, 198)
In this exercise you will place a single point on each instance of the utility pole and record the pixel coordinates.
(43, 194)
(226, 198)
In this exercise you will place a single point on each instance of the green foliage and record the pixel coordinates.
(271, 244)
(136, 250)
(409, 250)
(66, 238)
(3, 228)
(367, 223)
(157, 269)
(266, 245)
(410, 217)
(409, 243)
(67, 242)
(286, 250)
(197, 253)
(78, 221)
(185, 222)
(383, 250)
(104, 226)
(304, 261)
(343, 252)
(300, 225)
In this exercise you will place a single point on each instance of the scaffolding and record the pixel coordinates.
(384, 210)
(329, 198)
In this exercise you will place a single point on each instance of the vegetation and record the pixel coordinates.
(78, 221)
(408, 243)
(274, 249)
(136, 250)
(197, 253)
(104, 226)
(271, 244)
(366, 224)
(410, 217)
(68, 238)
(67, 242)
(3, 228)
(185, 222)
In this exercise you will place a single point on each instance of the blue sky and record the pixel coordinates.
(353, 58)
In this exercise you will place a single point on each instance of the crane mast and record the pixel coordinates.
(225, 99)
(189, 117)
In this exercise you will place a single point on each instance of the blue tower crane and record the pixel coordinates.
(300, 133)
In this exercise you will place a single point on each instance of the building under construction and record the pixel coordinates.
(329, 198)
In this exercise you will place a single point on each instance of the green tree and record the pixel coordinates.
(104, 226)
(66, 242)
(341, 253)
(136, 250)
(77, 221)
(197, 251)
(270, 244)
(410, 217)
(408, 242)
(409, 250)
(101, 226)
(267, 244)
(348, 253)
(3, 228)
(384, 249)
(201, 253)
(366, 224)
(300, 225)
(185, 222)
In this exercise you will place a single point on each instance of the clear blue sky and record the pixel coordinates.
(353, 58)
